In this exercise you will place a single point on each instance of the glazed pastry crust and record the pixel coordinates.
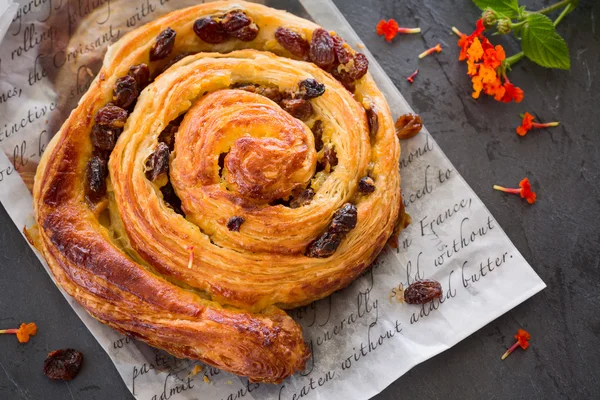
(127, 259)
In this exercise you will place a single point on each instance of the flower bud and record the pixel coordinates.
(504, 26)
(489, 17)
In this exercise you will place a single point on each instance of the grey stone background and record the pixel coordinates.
(559, 235)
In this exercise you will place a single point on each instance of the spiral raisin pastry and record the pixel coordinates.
(228, 161)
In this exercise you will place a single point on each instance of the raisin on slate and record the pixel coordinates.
(158, 162)
(104, 138)
(321, 49)
(126, 92)
(373, 120)
(247, 33)
(303, 199)
(292, 42)
(63, 364)
(329, 159)
(423, 291)
(111, 116)
(235, 223)
(408, 125)
(96, 178)
(298, 108)
(310, 88)
(344, 220)
(141, 74)
(209, 30)
(366, 185)
(317, 131)
(163, 45)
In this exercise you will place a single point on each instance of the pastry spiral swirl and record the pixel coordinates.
(228, 161)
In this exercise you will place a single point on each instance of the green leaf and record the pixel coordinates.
(508, 8)
(542, 44)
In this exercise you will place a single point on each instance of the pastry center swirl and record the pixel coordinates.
(244, 145)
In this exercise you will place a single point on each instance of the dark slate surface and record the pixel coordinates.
(559, 235)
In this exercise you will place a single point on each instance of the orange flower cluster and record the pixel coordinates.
(525, 191)
(485, 66)
(23, 333)
(527, 124)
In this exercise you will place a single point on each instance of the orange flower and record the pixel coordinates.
(412, 76)
(525, 191)
(523, 338)
(475, 50)
(23, 333)
(511, 92)
(390, 29)
(465, 41)
(527, 124)
(436, 48)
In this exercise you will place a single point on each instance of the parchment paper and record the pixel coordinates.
(362, 338)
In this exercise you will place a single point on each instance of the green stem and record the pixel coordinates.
(510, 61)
(517, 25)
(553, 7)
(563, 14)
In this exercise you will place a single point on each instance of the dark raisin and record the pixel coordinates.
(235, 223)
(366, 185)
(126, 92)
(321, 49)
(325, 245)
(423, 291)
(170, 197)
(342, 54)
(163, 45)
(298, 108)
(248, 87)
(271, 93)
(329, 159)
(167, 136)
(96, 178)
(360, 67)
(317, 131)
(292, 42)
(111, 116)
(373, 120)
(141, 74)
(303, 198)
(344, 77)
(158, 162)
(310, 88)
(408, 125)
(63, 364)
(104, 138)
(234, 20)
(171, 62)
(344, 219)
(209, 30)
(247, 33)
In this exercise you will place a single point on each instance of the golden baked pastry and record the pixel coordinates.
(228, 161)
